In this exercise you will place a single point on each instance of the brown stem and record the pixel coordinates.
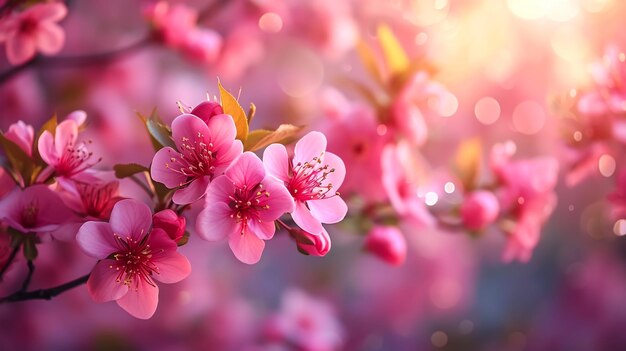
(44, 294)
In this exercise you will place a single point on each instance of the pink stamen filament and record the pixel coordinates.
(308, 180)
(194, 159)
(75, 159)
(134, 261)
(246, 204)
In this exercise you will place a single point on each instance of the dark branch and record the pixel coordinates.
(44, 294)
(9, 261)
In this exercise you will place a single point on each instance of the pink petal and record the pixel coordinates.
(220, 190)
(188, 126)
(338, 175)
(329, 210)
(96, 239)
(162, 170)
(280, 200)
(310, 146)
(103, 285)
(173, 268)
(192, 192)
(54, 11)
(140, 302)
(131, 218)
(263, 230)
(246, 170)
(223, 131)
(276, 161)
(305, 220)
(20, 49)
(50, 38)
(214, 222)
(64, 135)
(228, 156)
(247, 247)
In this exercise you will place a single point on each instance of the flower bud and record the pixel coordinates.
(309, 244)
(173, 224)
(22, 135)
(479, 209)
(207, 109)
(387, 243)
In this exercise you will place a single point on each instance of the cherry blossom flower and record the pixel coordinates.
(306, 322)
(36, 209)
(309, 244)
(131, 257)
(387, 243)
(34, 29)
(171, 223)
(93, 201)
(203, 151)
(63, 153)
(313, 177)
(22, 135)
(479, 209)
(242, 205)
(527, 194)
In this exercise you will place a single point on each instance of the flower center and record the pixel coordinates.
(309, 180)
(75, 159)
(246, 203)
(29, 215)
(96, 199)
(195, 158)
(28, 26)
(134, 261)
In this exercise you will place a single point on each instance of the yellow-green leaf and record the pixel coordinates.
(395, 57)
(231, 106)
(468, 162)
(366, 54)
(129, 169)
(258, 139)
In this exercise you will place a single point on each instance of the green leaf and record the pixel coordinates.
(21, 163)
(160, 133)
(184, 240)
(30, 247)
(129, 169)
(231, 107)
(260, 138)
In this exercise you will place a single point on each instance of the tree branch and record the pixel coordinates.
(44, 294)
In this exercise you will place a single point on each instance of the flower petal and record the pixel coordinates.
(276, 161)
(246, 170)
(50, 38)
(310, 146)
(223, 131)
(162, 169)
(214, 222)
(247, 247)
(64, 135)
(192, 192)
(20, 49)
(186, 128)
(279, 201)
(173, 268)
(140, 302)
(96, 239)
(337, 176)
(54, 11)
(329, 210)
(103, 285)
(263, 230)
(46, 148)
(131, 218)
(227, 156)
(305, 220)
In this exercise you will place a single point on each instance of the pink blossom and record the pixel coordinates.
(617, 198)
(387, 243)
(306, 322)
(313, 177)
(171, 223)
(400, 183)
(6, 182)
(242, 205)
(527, 195)
(63, 153)
(94, 201)
(202, 152)
(22, 135)
(36, 209)
(131, 256)
(480, 208)
(309, 244)
(34, 29)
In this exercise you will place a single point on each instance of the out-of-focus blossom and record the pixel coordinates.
(242, 205)
(34, 29)
(387, 243)
(313, 177)
(131, 256)
(36, 209)
(618, 197)
(63, 153)
(401, 188)
(6, 183)
(22, 135)
(202, 152)
(171, 223)
(479, 209)
(306, 322)
(353, 135)
(94, 201)
(309, 244)
(610, 93)
(527, 194)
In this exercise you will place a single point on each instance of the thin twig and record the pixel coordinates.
(143, 186)
(44, 294)
(9, 261)
(29, 276)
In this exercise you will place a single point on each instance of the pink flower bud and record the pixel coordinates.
(387, 243)
(479, 210)
(22, 135)
(309, 244)
(171, 223)
(207, 109)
